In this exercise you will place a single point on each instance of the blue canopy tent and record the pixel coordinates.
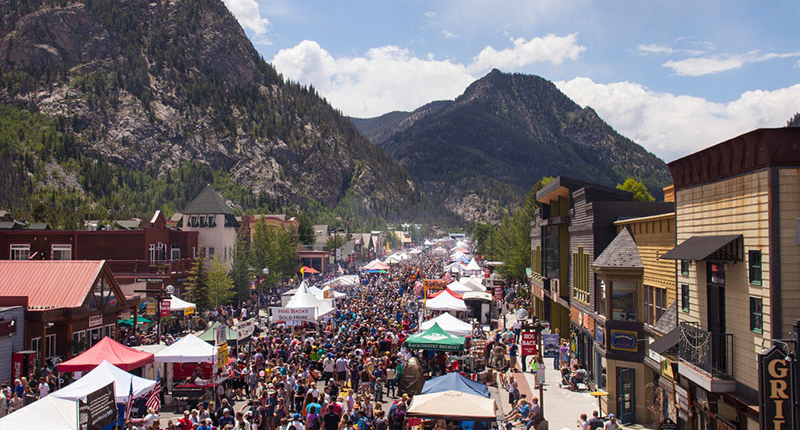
(455, 382)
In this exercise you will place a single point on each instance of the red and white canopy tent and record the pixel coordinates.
(124, 357)
(376, 265)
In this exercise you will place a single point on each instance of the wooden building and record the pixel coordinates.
(738, 248)
(69, 305)
(151, 256)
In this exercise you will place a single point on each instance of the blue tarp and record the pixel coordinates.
(457, 382)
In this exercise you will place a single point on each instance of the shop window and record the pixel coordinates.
(175, 252)
(623, 301)
(61, 252)
(95, 335)
(78, 342)
(756, 315)
(35, 342)
(580, 273)
(20, 252)
(211, 252)
(685, 267)
(551, 251)
(108, 331)
(754, 266)
(50, 346)
(661, 303)
(600, 294)
(685, 297)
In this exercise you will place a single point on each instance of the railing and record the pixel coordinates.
(709, 352)
(158, 267)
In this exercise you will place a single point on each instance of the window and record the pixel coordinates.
(600, 294)
(212, 221)
(685, 297)
(661, 303)
(108, 331)
(210, 252)
(50, 346)
(551, 251)
(754, 266)
(193, 221)
(61, 252)
(161, 251)
(580, 273)
(649, 305)
(203, 222)
(623, 301)
(95, 335)
(35, 342)
(20, 252)
(78, 342)
(175, 252)
(153, 255)
(756, 314)
(685, 267)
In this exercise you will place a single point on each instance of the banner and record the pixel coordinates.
(245, 329)
(165, 305)
(528, 343)
(293, 314)
(222, 355)
(550, 345)
(188, 311)
(99, 410)
(221, 335)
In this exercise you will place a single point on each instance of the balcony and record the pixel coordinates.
(178, 268)
(706, 358)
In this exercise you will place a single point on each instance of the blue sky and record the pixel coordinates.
(675, 76)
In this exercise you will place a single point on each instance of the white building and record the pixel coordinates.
(216, 224)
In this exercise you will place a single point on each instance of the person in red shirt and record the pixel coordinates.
(186, 421)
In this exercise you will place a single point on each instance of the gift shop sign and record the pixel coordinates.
(775, 387)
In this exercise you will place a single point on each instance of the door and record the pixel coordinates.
(716, 313)
(627, 401)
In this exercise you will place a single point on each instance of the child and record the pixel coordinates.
(379, 390)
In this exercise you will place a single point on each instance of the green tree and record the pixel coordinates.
(415, 233)
(274, 249)
(243, 270)
(480, 235)
(220, 290)
(335, 242)
(392, 239)
(305, 231)
(197, 285)
(639, 191)
(794, 121)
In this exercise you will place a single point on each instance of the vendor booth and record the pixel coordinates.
(455, 382)
(178, 305)
(49, 413)
(435, 338)
(193, 369)
(124, 357)
(446, 301)
(448, 323)
(102, 375)
(452, 405)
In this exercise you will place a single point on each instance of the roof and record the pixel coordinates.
(665, 342)
(698, 248)
(124, 357)
(564, 185)
(49, 284)
(38, 226)
(11, 225)
(621, 253)
(128, 224)
(669, 320)
(208, 202)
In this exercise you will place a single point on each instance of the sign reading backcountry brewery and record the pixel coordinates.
(775, 388)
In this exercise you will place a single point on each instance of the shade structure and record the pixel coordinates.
(458, 287)
(475, 283)
(472, 266)
(345, 280)
(452, 405)
(446, 302)
(305, 270)
(304, 298)
(49, 413)
(210, 335)
(124, 357)
(332, 294)
(435, 338)
(102, 375)
(189, 349)
(176, 304)
(455, 382)
(450, 324)
(139, 320)
(375, 265)
(447, 290)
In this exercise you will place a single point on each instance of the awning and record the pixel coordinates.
(697, 248)
(665, 342)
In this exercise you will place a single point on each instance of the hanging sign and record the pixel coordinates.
(776, 391)
(98, 410)
(165, 306)
(528, 343)
(293, 314)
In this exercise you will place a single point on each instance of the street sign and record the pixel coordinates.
(165, 308)
(498, 292)
(668, 424)
(528, 343)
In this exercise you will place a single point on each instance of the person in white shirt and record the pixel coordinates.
(327, 367)
(44, 389)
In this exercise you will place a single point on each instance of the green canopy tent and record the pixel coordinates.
(437, 339)
(139, 320)
(210, 335)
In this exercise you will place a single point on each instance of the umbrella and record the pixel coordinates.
(306, 269)
(452, 405)
(139, 320)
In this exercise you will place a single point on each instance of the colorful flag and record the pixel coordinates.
(448, 278)
(154, 399)
(341, 271)
(303, 271)
(129, 404)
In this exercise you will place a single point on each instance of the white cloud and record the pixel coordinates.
(700, 66)
(248, 15)
(430, 14)
(384, 79)
(655, 49)
(550, 48)
(448, 34)
(676, 125)
(392, 78)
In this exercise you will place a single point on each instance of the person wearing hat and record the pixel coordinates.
(297, 423)
(225, 419)
(611, 424)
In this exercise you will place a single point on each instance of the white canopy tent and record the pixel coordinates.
(176, 304)
(346, 281)
(448, 323)
(375, 265)
(439, 250)
(472, 266)
(49, 413)
(316, 292)
(453, 405)
(189, 349)
(458, 287)
(446, 302)
(304, 298)
(335, 294)
(393, 259)
(415, 251)
(475, 283)
(102, 375)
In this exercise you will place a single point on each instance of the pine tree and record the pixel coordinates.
(197, 285)
(220, 290)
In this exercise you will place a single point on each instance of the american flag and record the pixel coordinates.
(154, 399)
(448, 278)
(129, 404)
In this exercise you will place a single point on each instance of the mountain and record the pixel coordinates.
(114, 108)
(481, 153)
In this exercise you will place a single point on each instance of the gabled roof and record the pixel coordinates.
(49, 284)
(621, 253)
(208, 202)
